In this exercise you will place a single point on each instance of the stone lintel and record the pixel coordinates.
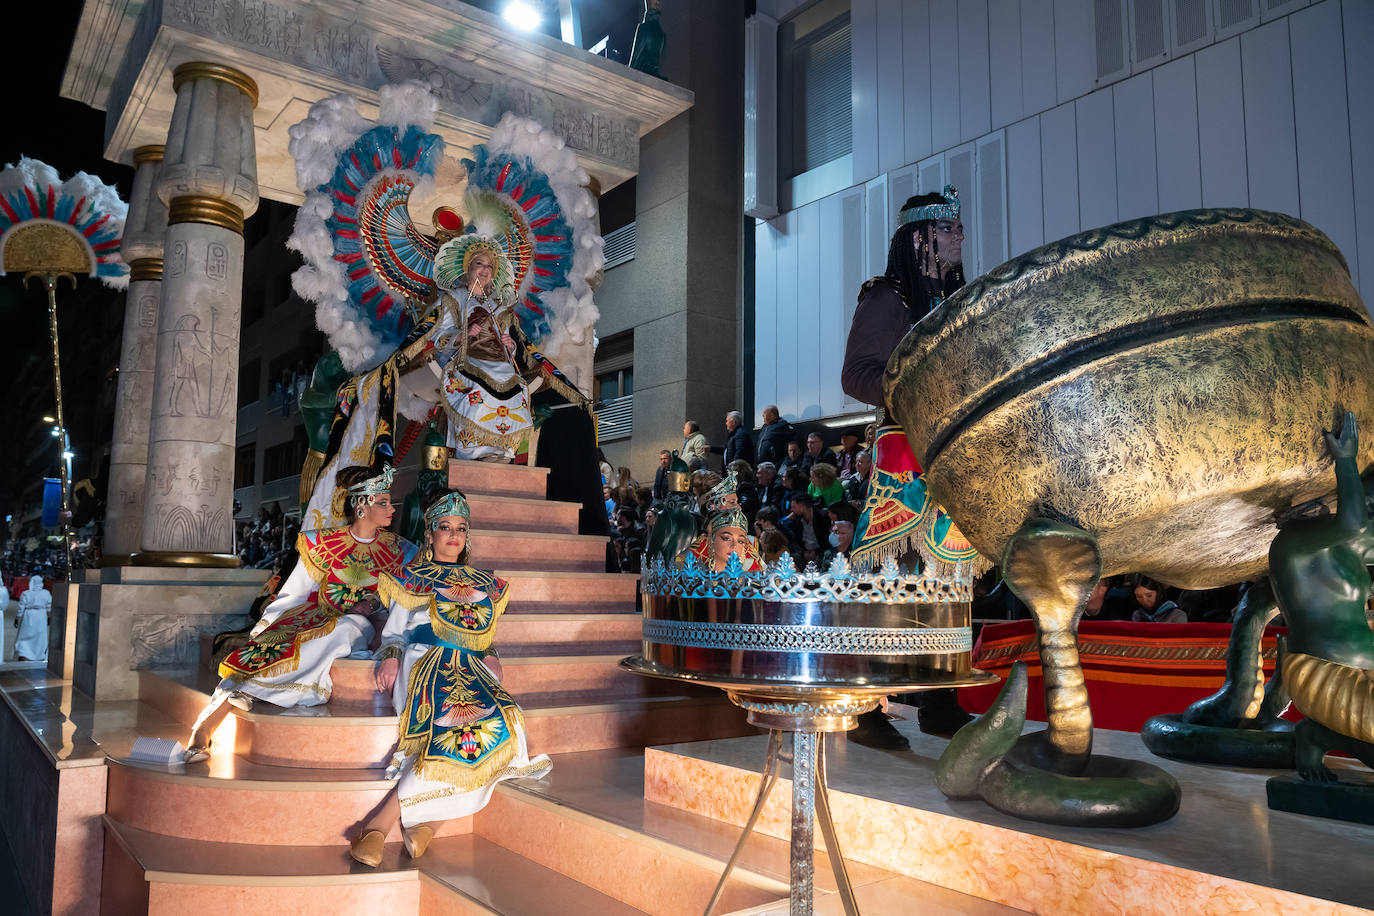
(299, 53)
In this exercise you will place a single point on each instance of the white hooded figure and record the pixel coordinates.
(32, 641)
(4, 606)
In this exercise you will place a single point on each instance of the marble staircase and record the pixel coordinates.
(265, 822)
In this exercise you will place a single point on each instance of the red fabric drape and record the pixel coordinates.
(1132, 670)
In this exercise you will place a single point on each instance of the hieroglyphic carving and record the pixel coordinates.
(147, 310)
(173, 640)
(179, 527)
(176, 264)
(216, 262)
(164, 477)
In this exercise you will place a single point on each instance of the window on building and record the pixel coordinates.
(814, 78)
(250, 380)
(614, 386)
(245, 465)
(286, 459)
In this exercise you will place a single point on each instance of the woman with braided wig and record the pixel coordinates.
(321, 613)
(899, 521)
(460, 732)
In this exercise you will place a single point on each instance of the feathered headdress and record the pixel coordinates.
(88, 212)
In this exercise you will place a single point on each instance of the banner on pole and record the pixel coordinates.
(52, 501)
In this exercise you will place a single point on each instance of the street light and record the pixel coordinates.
(49, 419)
(522, 15)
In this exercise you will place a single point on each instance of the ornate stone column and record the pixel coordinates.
(209, 184)
(144, 229)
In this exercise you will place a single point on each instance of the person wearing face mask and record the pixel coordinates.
(460, 733)
(327, 609)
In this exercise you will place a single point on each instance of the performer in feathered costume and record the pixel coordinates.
(460, 732)
(320, 614)
(32, 192)
(401, 305)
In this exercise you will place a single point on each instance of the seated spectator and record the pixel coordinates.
(772, 545)
(846, 462)
(696, 463)
(816, 452)
(771, 490)
(870, 437)
(610, 502)
(825, 487)
(1151, 605)
(794, 481)
(842, 511)
(645, 498)
(768, 519)
(629, 539)
(841, 540)
(703, 482)
(746, 489)
(808, 531)
(794, 457)
(856, 487)
(1109, 601)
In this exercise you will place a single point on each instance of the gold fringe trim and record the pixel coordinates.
(297, 687)
(310, 475)
(286, 665)
(304, 550)
(1335, 695)
(484, 436)
(391, 591)
(872, 557)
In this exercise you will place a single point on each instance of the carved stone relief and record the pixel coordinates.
(173, 640)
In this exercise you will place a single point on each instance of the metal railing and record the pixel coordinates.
(615, 418)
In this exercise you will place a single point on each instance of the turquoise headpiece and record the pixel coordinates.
(451, 503)
(947, 210)
(366, 493)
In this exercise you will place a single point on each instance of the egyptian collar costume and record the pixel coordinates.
(458, 720)
(345, 570)
(728, 518)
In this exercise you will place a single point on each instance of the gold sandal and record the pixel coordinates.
(417, 839)
(196, 753)
(367, 847)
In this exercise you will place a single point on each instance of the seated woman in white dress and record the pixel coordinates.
(320, 614)
(31, 645)
(460, 732)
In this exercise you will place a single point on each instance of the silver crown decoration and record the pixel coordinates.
(782, 582)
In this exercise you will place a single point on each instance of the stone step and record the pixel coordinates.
(361, 736)
(491, 479)
(532, 550)
(354, 681)
(539, 590)
(516, 630)
(522, 513)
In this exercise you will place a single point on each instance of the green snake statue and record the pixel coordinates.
(1052, 775)
(1319, 570)
(1239, 725)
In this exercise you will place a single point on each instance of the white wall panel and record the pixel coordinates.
(852, 265)
(877, 226)
(1323, 124)
(1271, 147)
(1059, 167)
(833, 296)
(1004, 60)
(765, 314)
(930, 175)
(1075, 55)
(891, 133)
(1221, 126)
(1038, 78)
(1176, 149)
(901, 184)
(863, 37)
(944, 76)
(991, 230)
(916, 78)
(974, 118)
(959, 167)
(1096, 160)
(1026, 223)
(788, 396)
(1358, 17)
(1137, 188)
(809, 340)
